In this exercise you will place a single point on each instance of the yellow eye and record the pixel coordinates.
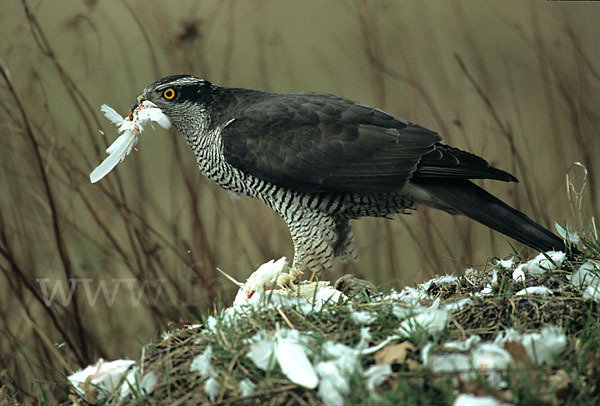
(169, 93)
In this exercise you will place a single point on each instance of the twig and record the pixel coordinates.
(273, 391)
(139, 24)
(60, 243)
(47, 342)
(505, 130)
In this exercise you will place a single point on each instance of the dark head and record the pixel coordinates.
(183, 98)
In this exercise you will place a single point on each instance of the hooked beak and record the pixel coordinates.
(135, 105)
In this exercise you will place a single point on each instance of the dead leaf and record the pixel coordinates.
(414, 365)
(477, 388)
(561, 383)
(518, 352)
(592, 367)
(394, 353)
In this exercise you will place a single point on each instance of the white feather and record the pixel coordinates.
(111, 114)
(534, 290)
(130, 130)
(118, 150)
(203, 363)
(545, 346)
(567, 234)
(211, 388)
(151, 113)
(103, 377)
(246, 387)
(295, 364)
(261, 352)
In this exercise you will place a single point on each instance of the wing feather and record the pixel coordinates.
(453, 163)
(316, 143)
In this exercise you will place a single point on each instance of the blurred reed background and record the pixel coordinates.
(514, 81)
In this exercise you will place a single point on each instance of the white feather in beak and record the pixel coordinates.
(130, 130)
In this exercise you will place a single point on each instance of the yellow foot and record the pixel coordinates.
(290, 279)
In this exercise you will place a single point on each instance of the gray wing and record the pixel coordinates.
(446, 162)
(317, 143)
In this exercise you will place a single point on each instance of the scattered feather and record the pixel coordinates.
(371, 350)
(487, 291)
(542, 347)
(534, 290)
(545, 346)
(261, 351)
(506, 263)
(334, 385)
(319, 293)
(508, 335)
(449, 363)
(519, 274)
(288, 348)
(409, 295)
(102, 377)
(486, 358)
(246, 387)
(203, 363)
(329, 294)
(592, 292)
(587, 279)
(293, 360)
(491, 359)
(545, 262)
(567, 234)
(363, 317)
(375, 375)
(433, 321)
(426, 353)
(457, 305)
(464, 345)
(445, 280)
(438, 281)
(471, 272)
(588, 274)
(211, 323)
(133, 381)
(334, 373)
(211, 388)
(467, 399)
(365, 337)
(494, 276)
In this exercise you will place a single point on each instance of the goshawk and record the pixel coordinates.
(321, 161)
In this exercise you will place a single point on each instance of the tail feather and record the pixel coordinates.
(465, 197)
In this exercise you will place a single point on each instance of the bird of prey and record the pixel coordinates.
(320, 161)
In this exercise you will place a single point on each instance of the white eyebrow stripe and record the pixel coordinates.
(180, 81)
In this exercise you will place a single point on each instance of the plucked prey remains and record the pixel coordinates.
(321, 161)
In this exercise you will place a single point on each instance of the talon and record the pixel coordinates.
(289, 280)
